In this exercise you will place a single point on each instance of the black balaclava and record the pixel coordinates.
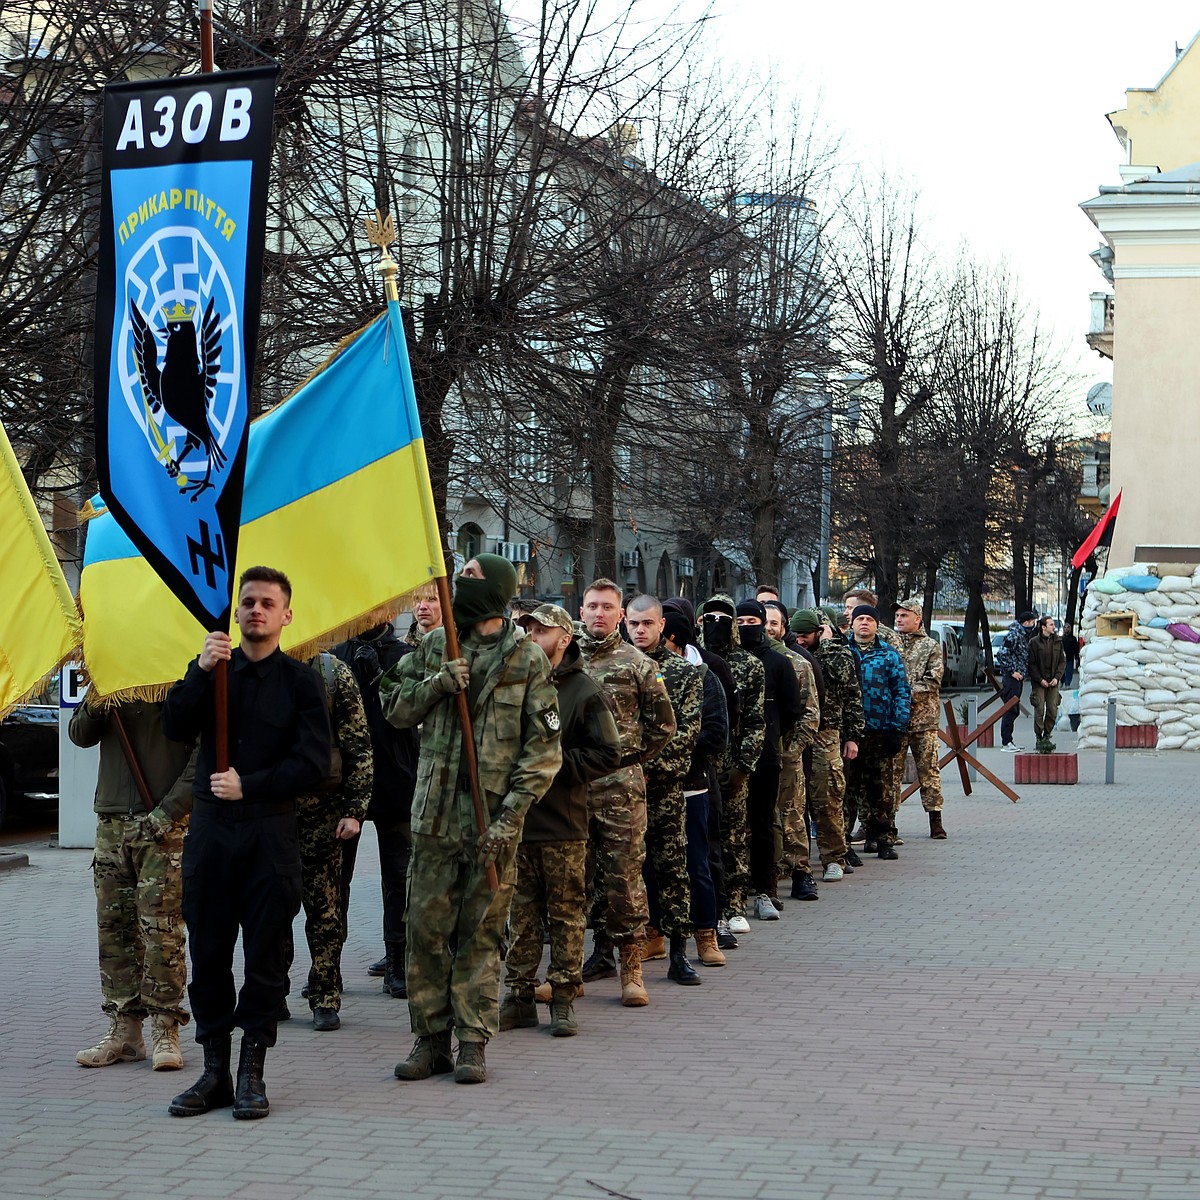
(478, 600)
(716, 624)
(754, 637)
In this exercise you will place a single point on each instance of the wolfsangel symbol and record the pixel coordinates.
(192, 394)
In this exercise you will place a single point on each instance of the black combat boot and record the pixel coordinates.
(936, 828)
(251, 1102)
(886, 850)
(804, 887)
(430, 1055)
(601, 964)
(680, 970)
(394, 983)
(214, 1089)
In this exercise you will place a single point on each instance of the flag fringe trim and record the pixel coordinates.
(41, 684)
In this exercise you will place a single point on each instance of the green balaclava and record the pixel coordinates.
(478, 600)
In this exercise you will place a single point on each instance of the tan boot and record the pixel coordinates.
(707, 949)
(655, 945)
(633, 991)
(122, 1043)
(543, 992)
(164, 1037)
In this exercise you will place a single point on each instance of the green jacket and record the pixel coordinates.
(514, 712)
(922, 658)
(168, 766)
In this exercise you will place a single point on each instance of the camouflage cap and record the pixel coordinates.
(550, 615)
(912, 605)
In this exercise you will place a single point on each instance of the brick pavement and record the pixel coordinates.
(1006, 1014)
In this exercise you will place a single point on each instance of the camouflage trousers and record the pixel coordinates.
(321, 880)
(666, 856)
(139, 919)
(826, 798)
(926, 746)
(735, 845)
(615, 855)
(550, 890)
(792, 826)
(868, 797)
(448, 898)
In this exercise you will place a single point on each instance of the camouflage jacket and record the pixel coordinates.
(685, 687)
(843, 699)
(636, 693)
(351, 735)
(514, 712)
(886, 699)
(805, 731)
(747, 736)
(922, 658)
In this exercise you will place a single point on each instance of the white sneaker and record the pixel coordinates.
(764, 910)
(833, 872)
(739, 924)
(1010, 748)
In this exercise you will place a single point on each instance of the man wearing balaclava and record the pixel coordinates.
(719, 632)
(514, 714)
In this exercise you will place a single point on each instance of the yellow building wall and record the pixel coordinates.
(1161, 125)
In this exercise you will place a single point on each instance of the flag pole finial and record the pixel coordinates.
(381, 232)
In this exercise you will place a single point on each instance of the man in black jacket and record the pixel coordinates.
(783, 707)
(552, 857)
(369, 655)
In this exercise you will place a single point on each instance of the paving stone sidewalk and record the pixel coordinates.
(1009, 1013)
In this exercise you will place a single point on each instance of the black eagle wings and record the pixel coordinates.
(186, 384)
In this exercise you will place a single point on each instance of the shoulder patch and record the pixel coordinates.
(551, 719)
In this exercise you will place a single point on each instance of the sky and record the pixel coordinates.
(995, 113)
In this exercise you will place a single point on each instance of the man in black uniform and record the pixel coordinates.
(241, 857)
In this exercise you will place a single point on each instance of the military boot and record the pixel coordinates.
(680, 970)
(707, 950)
(430, 1055)
(633, 990)
(250, 1100)
(655, 945)
(394, 983)
(470, 1067)
(518, 1011)
(164, 1036)
(936, 829)
(544, 992)
(122, 1043)
(214, 1089)
(600, 965)
(562, 1013)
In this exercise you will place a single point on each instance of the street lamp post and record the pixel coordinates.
(847, 385)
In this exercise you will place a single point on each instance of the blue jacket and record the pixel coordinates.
(1013, 658)
(887, 700)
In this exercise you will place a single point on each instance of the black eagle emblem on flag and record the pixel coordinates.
(186, 385)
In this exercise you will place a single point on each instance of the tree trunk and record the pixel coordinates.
(930, 588)
(1073, 595)
(974, 568)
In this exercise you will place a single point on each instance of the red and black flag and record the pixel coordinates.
(183, 216)
(1102, 535)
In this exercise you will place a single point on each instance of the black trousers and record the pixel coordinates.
(1009, 687)
(395, 850)
(761, 802)
(241, 872)
(716, 832)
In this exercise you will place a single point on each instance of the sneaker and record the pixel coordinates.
(897, 841)
(858, 836)
(739, 924)
(764, 910)
(833, 873)
(725, 939)
(852, 859)
(1010, 748)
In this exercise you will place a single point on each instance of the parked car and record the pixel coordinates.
(950, 635)
(29, 758)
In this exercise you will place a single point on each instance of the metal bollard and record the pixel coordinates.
(1110, 743)
(972, 725)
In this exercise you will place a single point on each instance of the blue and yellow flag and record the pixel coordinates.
(337, 496)
(39, 627)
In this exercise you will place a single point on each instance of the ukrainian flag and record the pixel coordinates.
(337, 496)
(39, 627)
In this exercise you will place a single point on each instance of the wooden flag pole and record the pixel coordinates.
(382, 232)
(221, 672)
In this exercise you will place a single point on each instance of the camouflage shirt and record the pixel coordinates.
(514, 710)
(352, 737)
(685, 687)
(922, 658)
(843, 698)
(804, 732)
(636, 693)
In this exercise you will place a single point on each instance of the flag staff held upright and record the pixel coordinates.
(382, 232)
(221, 671)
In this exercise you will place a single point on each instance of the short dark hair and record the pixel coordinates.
(267, 575)
(643, 602)
(604, 584)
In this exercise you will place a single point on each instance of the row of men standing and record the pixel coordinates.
(690, 776)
